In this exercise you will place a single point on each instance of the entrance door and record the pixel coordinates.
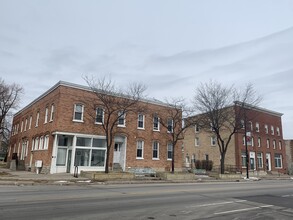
(68, 161)
(252, 160)
(117, 151)
(268, 162)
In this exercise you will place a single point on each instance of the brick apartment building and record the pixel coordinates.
(289, 154)
(266, 147)
(57, 131)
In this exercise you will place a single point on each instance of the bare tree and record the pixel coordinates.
(174, 123)
(224, 111)
(116, 103)
(9, 101)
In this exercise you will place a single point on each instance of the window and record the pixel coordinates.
(139, 150)
(46, 115)
(46, 142)
(169, 151)
(257, 127)
(78, 112)
(259, 160)
(212, 127)
(252, 141)
(268, 143)
(41, 144)
(242, 125)
(196, 128)
(36, 144)
(37, 119)
(272, 130)
(243, 159)
(213, 141)
(280, 145)
(274, 144)
(197, 141)
(278, 160)
(207, 157)
(278, 131)
(30, 123)
(258, 142)
(250, 125)
(99, 116)
(61, 157)
(156, 124)
(121, 119)
(83, 142)
(21, 128)
(243, 140)
(155, 150)
(33, 144)
(52, 112)
(170, 125)
(25, 124)
(266, 129)
(140, 121)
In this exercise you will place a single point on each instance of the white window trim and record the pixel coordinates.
(100, 123)
(257, 127)
(158, 150)
(196, 141)
(172, 125)
(124, 120)
(169, 159)
(46, 115)
(158, 129)
(37, 119)
(143, 122)
(142, 146)
(212, 141)
(82, 112)
(52, 112)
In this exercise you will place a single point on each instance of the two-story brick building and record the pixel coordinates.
(266, 147)
(57, 130)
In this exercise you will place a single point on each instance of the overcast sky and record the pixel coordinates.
(171, 46)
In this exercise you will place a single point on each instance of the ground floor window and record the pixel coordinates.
(61, 156)
(98, 158)
(170, 151)
(243, 159)
(259, 160)
(278, 160)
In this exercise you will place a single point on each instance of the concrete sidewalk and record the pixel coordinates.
(9, 177)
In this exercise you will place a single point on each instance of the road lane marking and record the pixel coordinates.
(242, 210)
(218, 203)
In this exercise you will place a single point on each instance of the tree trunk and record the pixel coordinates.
(222, 163)
(107, 160)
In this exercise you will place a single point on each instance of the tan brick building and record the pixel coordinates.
(57, 130)
(266, 147)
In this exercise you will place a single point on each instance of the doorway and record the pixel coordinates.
(68, 161)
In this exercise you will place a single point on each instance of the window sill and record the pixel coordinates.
(121, 126)
(139, 158)
(156, 159)
(169, 159)
(99, 123)
(156, 130)
(140, 128)
(79, 121)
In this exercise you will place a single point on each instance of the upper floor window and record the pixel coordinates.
(46, 115)
(140, 121)
(37, 119)
(266, 129)
(21, 128)
(156, 123)
(213, 141)
(280, 145)
(272, 130)
(99, 116)
(274, 144)
(169, 151)
(257, 127)
(139, 149)
(258, 142)
(78, 112)
(155, 150)
(250, 125)
(170, 125)
(25, 124)
(242, 125)
(278, 131)
(197, 141)
(196, 128)
(30, 122)
(121, 119)
(268, 143)
(52, 112)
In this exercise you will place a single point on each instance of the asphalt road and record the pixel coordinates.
(238, 200)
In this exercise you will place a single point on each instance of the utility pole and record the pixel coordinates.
(246, 150)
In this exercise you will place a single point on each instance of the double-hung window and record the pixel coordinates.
(278, 160)
(121, 119)
(170, 125)
(156, 124)
(78, 112)
(99, 116)
(52, 112)
(213, 141)
(259, 160)
(155, 150)
(140, 121)
(37, 119)
(169, 151)
(46, 115)
(139, 149)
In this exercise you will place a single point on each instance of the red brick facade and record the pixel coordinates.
(63, 97)
(266, 151)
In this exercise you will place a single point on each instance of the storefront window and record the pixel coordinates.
(83, 142)
(82, 157)
(61, 156)
(98, 158)
(101, 143)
